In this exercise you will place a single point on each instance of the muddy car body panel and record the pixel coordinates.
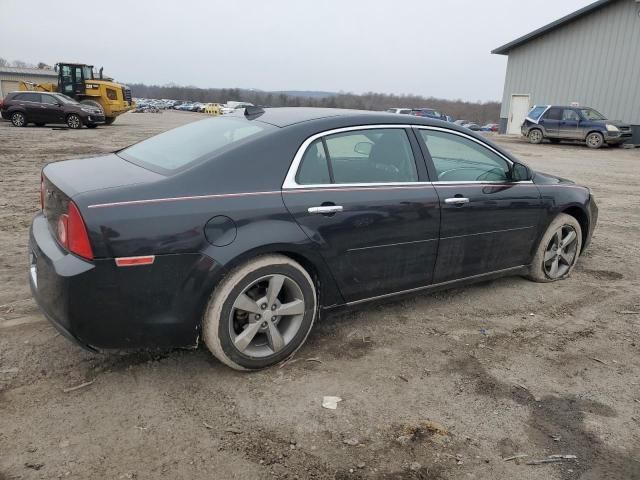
(163, 234)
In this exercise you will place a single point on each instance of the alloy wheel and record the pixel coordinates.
(561, 252)
(535, 136)
(594, 140)
(266, 316)
(73, 121)
(18, 119)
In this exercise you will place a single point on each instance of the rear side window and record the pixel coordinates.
(553, 114)
(183, 146)
(28, 97)
(361, 156)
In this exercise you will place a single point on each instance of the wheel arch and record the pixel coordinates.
(582, 217)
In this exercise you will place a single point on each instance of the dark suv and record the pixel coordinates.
(22, 108)
(558, 123)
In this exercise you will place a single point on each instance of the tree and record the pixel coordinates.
(3, 62)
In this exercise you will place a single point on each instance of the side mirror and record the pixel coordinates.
(520, 173)
(363, 148)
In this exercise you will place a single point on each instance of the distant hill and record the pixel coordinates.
(307, 93)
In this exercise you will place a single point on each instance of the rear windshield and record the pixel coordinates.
(536, 112)
(179, 148)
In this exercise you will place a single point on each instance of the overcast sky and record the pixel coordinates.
(428, 47)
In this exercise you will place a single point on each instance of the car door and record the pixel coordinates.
(569, 124)
(360, 196)
(31, 103)
(51, 110)
(551, 121)
(488, 222)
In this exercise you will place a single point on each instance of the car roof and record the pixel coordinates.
(286, 116)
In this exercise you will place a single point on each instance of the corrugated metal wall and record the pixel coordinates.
(594, 60)
(9, 81)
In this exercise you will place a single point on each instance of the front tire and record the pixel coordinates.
(18, 119)
(594, 140)
(74, 121)
(558, 250)
(261, 313)
(536, 136)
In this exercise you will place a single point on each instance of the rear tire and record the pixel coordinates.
(74, 121)
(260, 313)
(18, 119)
(536, 136)
(594, 140)
(558, 250)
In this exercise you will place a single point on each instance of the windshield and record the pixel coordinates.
(65, 99)
(591, 114)
(536, 112)
(191, 143)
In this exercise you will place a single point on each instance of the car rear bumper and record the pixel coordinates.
(101, 306)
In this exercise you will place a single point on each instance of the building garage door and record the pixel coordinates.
(7, 86)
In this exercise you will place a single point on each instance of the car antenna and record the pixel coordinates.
(251, 111)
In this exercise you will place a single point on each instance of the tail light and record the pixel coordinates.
(42, 191)
(72, 233)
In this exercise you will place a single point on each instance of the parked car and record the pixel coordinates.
(490, 127)
(232, 107)
(461, 122)
(428, 113)
(472, 126)
(557, 123)
(193, 234)
(402, 111)
(40, 108)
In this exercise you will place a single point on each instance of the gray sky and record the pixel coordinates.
(427, 47)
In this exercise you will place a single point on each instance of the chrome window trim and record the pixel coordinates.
(290, 180)
(469, 137)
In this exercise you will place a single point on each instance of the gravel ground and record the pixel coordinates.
(440, 386)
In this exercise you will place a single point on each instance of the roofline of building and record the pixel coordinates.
(504, 49)
(39, 72)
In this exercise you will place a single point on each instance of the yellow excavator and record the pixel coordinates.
(81, 82)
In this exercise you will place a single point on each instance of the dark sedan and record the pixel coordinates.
(240, 230)
(22, 108)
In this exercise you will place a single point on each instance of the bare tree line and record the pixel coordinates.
(480, 112)
(20, 64)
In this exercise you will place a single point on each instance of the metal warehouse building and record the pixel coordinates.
(10, 77)
(590, 57)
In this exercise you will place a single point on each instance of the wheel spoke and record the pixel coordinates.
(549, 255)
(275, 285)
(243, 302)
(554, 267)
(292, 308)
(243, 340)
(569, 239)
(566, 258)
(276, 342)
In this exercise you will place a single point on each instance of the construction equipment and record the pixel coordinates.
(81, 82)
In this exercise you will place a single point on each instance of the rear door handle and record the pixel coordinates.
(325, 209)
(456, 201)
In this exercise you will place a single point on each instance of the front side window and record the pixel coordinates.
(192, 143)
(459, 159)
(377, 155)
(48, 99)
(591, 114)
(67, 100)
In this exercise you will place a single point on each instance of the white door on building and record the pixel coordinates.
(517, 113)
(7, 86)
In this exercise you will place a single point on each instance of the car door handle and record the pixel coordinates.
(325, 209)
(456, 201)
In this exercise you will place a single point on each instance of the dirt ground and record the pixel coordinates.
(440, 386)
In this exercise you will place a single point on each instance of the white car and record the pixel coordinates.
(231, 107)
(402, 111)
